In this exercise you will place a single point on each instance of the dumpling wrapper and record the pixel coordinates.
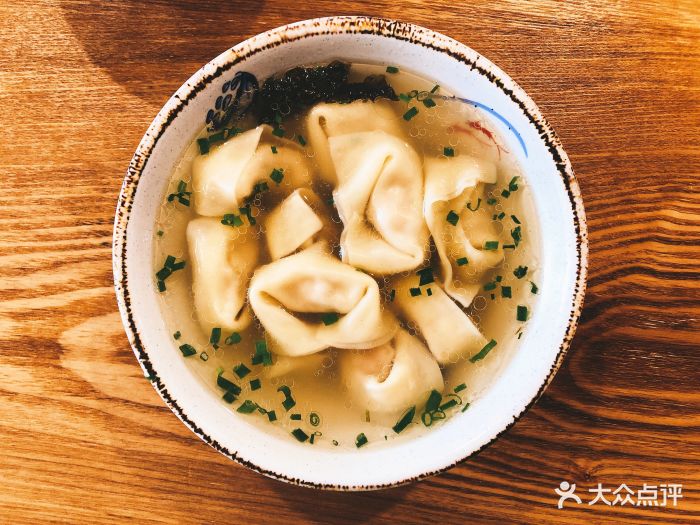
(328, 120)
(391, 377)
(222, 262)
(449, 333)
(379, 198)
(289, 297)
(283, 365)
(296, 223)
(225, 176)
(451, 184)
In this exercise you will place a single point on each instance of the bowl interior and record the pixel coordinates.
(558, 209)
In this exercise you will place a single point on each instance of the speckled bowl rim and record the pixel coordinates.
(387, 28)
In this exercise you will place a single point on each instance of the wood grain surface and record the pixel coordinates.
(84, 438)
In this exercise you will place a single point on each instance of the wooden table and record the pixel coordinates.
(85, 438)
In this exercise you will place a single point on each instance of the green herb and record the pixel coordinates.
(415, 292)
(233, 339)
(217, 137)
(278, 132)
(448, 152)
(429, 292)
(241, 370)
(203, 146)
(187, 350)
(478, 203)
(262, 354)
(248, 407)
(462, 261)
(520, 272)
(160, 233)
(460, 387)
(204, 356)
(513, 184)
(271, 415)
(491, 245)
(231, 219)
(301, 140)
(295, 417)
(404, 97)
(449, 404)
(499, 278)
(466, 406)
(533, 287)
(491, 201)
(300, 435)
(245, 210)
(515, 219)
(522, 313)
(392, 69)
(360, 440)
(435, 88)
(277, 118)
(330, 318)
(227, 385)
(229, 397)
(314, 419)
(501, 215)
(484, 351)
(517, 235)
(313, 437)
(277, 175)
(433, 401)
(489, 286)
(405, 420)
(506, 291)
(215, 336)
(429, 103)
(255, 384)
(232, 132)
(182, 195)
(505, 194)
(509, 246)
(177, 335)
(288, 399)
(335, 443)
(274, 149)
(166, 271)
(493, 296)
(426, 276)
(452, 218)
(392, 295)
(412, 112)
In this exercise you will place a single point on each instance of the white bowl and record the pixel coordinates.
(559, 211)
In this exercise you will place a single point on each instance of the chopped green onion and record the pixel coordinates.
(466, 406)
(493, 296)
(484, 351)
(392, 69)
(262, 354)
(163, 274)
(435, 88)
(405, 420)
(245, 210)
(241, 370)
(489, 286)
(288, 399)
(301, 140)
(278, 132)
(506, 291)
(448, 152)
(427, 418)
(452, 218)
(392, 295)
(233, 339)
(295, 417)
(433, 401)
(177, 335)
(203, 146)
(204, 356)
(522, 313)
(517, 235)
(216, 137)
(509, 246)
(499, 278)
(513, 184)
(330, 318)
(491, 201)
(248, 407)
(274, 149)
(404, 97)
(491, 245)
(300, 435)
(449, 404)
(215, 336)
(227, 385)
(505, 194)
(426, 276)
(313, 437)
(478, 203)
(360, 440)
(160, 233)
(515, 219)
(314, 419)
(501, 215)
(231, 219)
(520, 272)
(271, 415)
(533, 287)
(412, 112)
(187, 350)
(429, 103)
(277, 175)
(460, 387)
(462, 261)
(335, 443)
(429, 292)
(255, 384)
(229, 397)
(415, 292)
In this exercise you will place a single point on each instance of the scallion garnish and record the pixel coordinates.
(262, 354)
(160, 233)
(274, 149)
(288, 399)
(426, 276)
(231, 219)
(314, 419)
(433, 402)
(335, 443)
(483, 352)
(491, 245)
(177, 335)
(533, 288)
(465, 407)
(203, 146)
(241, 370)
(429, 103)
(448, 152)
(489, 286)
(255, 384)
(429, 292)
(187, 350)
(245, 210)
(277, 175)
(412, 112)
(521, 314)
(513, 184)
(313, 437)
(392, 69)
(404, 97)
(520, 272)
(452, 218)
(506, 291)
(361, 440)
(460, 387)
(247, 407)
(478, 203)
(499, 278)
(392, 295)
(204, 356)
(491, 201)
(229, 397)
(517, 235)
(501, 215)
(182, 195)
(295, 417)
(271, 415)
(415, 292)
(233, 339)
(301, 140)
(278, 132)
(515, 219)
(435, 88)
(505, 194)
(462, 261)
(161, 286)
(509, 246)
(215, 337)
(449, 404)
(227, 385)
(405, 420)
(166, 271)
(330, 318)
(300, 435)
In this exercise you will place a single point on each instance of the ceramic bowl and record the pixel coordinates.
(559, 211)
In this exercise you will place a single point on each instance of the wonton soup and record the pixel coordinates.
(347, 255)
